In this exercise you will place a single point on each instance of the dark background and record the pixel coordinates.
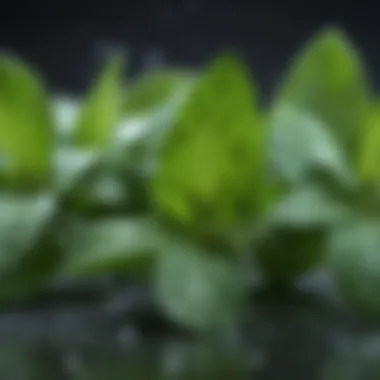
(68, 40)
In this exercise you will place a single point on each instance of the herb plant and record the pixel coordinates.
(183, 179)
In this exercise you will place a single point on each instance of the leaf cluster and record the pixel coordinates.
(183, 179)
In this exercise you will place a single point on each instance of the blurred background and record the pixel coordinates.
(68, 42)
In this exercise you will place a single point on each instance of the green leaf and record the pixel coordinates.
(354, 259)
(152, 106)
(369, 155)
(327, 78)
(153, 89)
(210, 165)
(109, 245)
(294, 233)
(72, 165)
(307, 206)
(196, 289)
(26, 126)
(33, 271)
(102, 110)
(109, 190)
(139, 140)
(300, 145)
(22, 221)
(98, 188)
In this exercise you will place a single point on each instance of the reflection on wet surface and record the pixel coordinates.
(103, 360)
(116, 339)
(279, 340)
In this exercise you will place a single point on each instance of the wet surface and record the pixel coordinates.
(120, 335)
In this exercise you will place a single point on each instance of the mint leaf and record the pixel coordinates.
(102, 109)
(22, 221)
(154, 89)
(209, 169)
(26, 125)
(355, 262)
(108, 245)
(301, 145)
(327, 78)
(196, 289)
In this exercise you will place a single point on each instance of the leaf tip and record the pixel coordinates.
(334, 36)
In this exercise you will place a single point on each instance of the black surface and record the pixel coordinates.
(66, 40)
